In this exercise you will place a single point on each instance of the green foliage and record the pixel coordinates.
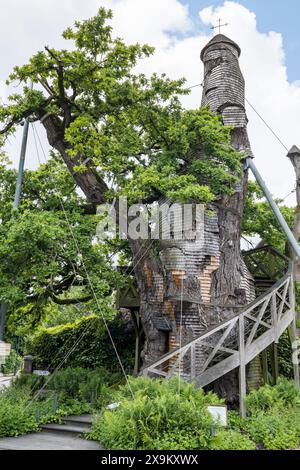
(82, 385)
(259, 219)
(40, 267)
(15, 419)
(18, 411)
(124, 134)
(49, 346)
(56, 315)
(184, 170)
(132, 129)
(74, 390)
(275, 430)
(12, 364)
(38, 252)
(285, 356)
(274, 416)
(266, 398)
(161, 417)
(179, 439)
(167, 414)
(231, 440)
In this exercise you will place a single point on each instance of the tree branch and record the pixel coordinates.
(63, 98)
(70, 301)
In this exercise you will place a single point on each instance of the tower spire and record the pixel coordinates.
(224, 86)
(219, 25)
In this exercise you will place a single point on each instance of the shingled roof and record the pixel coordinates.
(220, 39)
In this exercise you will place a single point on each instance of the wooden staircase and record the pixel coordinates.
(236, 341)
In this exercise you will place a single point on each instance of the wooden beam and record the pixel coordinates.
(295, 352)
(264, 360)
(274, 316)
(242, 368)
(219, 344)
(283, 300)
(222, 348)
(247, 315)
(180, 354)
(193, 362)
(258, 321)
(274, 362)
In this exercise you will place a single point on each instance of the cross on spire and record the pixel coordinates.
(219, 25)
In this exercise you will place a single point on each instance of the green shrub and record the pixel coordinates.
(285, 363)
(266, 398)
(12, 364)
(231, 440)
(20, 413)
(274, 416)
(263, 399)
(163, 414)
(235, 421)
(179, 440)
(50, 346)
(15, 419)
(85, 385)
(162, 418)
(25, 405)
(275, 430)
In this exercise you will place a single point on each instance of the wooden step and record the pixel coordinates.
(73, 425)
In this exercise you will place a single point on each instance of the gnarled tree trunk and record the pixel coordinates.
(192, 283)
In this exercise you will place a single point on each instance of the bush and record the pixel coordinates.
(84, 385)
(18, 412)
(231, 440)
(266, 398)
(15, 419)
(163, 414)
(162, 417)
(274, 416)
(275, 430)
(12, 364)
(21, 411)
(285, 363)
(50, 346)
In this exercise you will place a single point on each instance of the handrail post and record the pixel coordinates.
(295, 358)
(193, 362)
(242, 368)
(274, 350)
(274, 316)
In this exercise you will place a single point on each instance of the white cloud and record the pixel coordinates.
(149, 21)
(267, 88)
(168, 26)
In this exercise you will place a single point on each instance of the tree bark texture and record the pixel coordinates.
(193, 283)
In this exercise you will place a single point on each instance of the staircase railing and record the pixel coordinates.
(234, 342)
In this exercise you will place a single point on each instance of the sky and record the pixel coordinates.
(271, 15)
(266, 30)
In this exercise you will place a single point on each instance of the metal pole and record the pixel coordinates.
(21, 165)
(292, 240)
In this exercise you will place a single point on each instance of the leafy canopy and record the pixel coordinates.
(259, 219)
(115, 132)
(39, 261)
(128, 129)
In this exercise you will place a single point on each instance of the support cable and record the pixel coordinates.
(89, 282)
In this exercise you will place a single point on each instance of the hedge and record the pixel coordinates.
(93, 345)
